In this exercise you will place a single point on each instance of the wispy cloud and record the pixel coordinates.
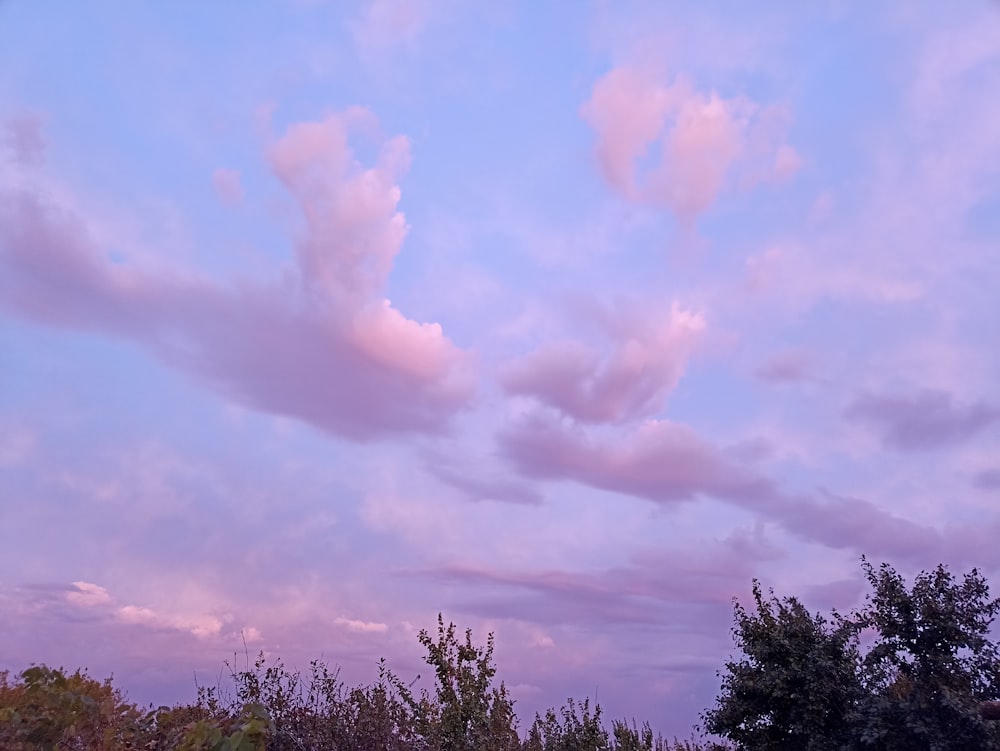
(228, 186)
(924, 420)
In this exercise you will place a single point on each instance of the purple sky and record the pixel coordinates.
(564, 319)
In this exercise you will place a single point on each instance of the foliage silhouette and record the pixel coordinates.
(924, 682)
(270, 708)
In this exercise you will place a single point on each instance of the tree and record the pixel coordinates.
(475, 715)
(796, 684)
(46, 708)
(925, 681)
(577, 729)
(932, 664)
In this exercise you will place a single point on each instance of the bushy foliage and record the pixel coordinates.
(472, 714)
(574, 728)
(270, 708)
(796, 684)
(467, 710)
(914, 669)
(932, 664)
(320, 712)
(48, 709)
(806, 682)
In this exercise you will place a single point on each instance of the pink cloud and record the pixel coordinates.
(673, 146)
(629, 114)
(228, 186)
(787, 366)
(47, 623)
(668, 463)
(786, 163)
(365, 627)
(795, 277)
(927, 419)
(854, 523)
(948, 58)
(24, 139)
(322, 346)
(637, 592)
(483, 486)
(17, 443)
(353, 228)
(647, 360)
(988, 479)
(86, 594)
(201, 626)
(89, 596)
(385, 24)
(663, 462)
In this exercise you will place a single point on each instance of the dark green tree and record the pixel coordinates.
(796, 684)
(574, 728)
(924, 682)
(474, 714)
(932, 664)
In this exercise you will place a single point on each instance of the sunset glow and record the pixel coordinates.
(565, 320)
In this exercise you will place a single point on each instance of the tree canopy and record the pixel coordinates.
(914, 668)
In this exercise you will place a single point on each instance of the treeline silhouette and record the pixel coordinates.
(915, 668)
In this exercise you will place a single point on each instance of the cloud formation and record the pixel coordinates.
(636, 592)
(483, 486)
(364, 627)
(324, 347)
(988, 479)
(669, 463)
(663, 461)
(673, 146)
(93, 596)
(787, 366)
(383, 27)
(88, 595)
(855, 524)
(649, 352)
(923, 420)
(228, 186)
(24, 139)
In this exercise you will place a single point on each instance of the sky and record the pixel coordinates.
(565, 320)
